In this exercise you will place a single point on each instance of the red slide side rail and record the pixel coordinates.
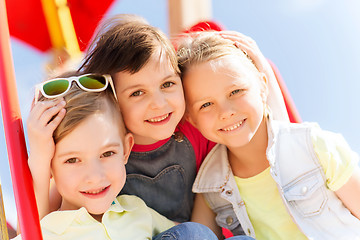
(294, 115)
(15, 139)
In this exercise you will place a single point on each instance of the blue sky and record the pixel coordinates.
(314, 43)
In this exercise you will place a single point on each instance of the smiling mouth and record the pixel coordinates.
(95, 192)
(159, 119)
(233, 127)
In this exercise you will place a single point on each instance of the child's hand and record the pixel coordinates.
(43, 119)
(249, 47)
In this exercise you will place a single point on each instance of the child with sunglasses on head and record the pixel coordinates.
(167, 151)
(79, 138)
(269, 179)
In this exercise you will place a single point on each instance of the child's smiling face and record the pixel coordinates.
(89, 164)
(225, 100)
(151, 100)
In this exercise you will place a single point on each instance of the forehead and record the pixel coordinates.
(224, 68)
(115, 117)
(233, 64)
(216, 77)
(111, 115)
(158, 67)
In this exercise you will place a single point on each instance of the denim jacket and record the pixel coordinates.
(300, 179)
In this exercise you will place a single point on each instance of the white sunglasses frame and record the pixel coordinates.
(108, 80)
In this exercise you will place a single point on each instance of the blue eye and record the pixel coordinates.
(137, 93)
(167, 85)
(205, 105)
(235, 92)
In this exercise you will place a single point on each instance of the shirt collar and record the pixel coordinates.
(215, 171)
(59, 221)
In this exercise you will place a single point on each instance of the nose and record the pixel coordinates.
(226, 111)
(95, 171)
(158, 100)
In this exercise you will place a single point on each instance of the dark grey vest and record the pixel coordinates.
(163, 178)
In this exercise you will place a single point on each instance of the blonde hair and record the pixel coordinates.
(206, 47)
(81, 104)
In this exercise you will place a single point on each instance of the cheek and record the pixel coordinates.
(178, 98)
(117, 173)
(181, 103)
(131, 113)
(205, 122)
(66, 180)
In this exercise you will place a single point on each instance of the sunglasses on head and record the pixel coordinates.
(57, 87)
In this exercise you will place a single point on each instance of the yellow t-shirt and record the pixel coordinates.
(127, 218)
(262, 199)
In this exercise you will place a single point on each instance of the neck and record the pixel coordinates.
(97, 217)
(250, 160)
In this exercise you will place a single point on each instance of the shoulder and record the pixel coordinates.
(130, 201)
(214, 170)
(286, 126)
(318, 136)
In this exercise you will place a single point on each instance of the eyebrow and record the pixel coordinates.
(139, 85)
(71, 153)
(200, 101)
(67, 154)
(208, 99)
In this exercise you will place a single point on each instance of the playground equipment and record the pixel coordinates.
(22, 181)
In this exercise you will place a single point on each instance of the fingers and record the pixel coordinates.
(52, 125)
(45, 110)
(50, 112)
(238, 37)
(46, 113)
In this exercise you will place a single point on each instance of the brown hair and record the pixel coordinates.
(205, 47)
(81, 104)
(126, 43)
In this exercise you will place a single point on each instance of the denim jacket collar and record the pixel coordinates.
(215, 172)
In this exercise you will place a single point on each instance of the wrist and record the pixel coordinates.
(39, 166)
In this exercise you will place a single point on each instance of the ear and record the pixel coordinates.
(128, 143)
(264, 87)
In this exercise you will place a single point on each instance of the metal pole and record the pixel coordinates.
(15, 140)
(185, 13)
(3, 227)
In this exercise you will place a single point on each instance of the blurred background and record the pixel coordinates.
(313, 43)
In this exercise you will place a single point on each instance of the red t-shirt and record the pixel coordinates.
(200, 144)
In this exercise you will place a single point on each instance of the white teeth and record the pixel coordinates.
(159, 119)
(235, 126)
(95, 192)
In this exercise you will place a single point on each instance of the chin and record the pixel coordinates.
(98, 211)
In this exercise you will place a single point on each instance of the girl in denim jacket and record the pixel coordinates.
(265, 178)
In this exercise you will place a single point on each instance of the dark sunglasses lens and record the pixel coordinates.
(56, 87)
(93, 81)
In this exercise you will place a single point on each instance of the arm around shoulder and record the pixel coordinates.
(203, 214)
(349, 193)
